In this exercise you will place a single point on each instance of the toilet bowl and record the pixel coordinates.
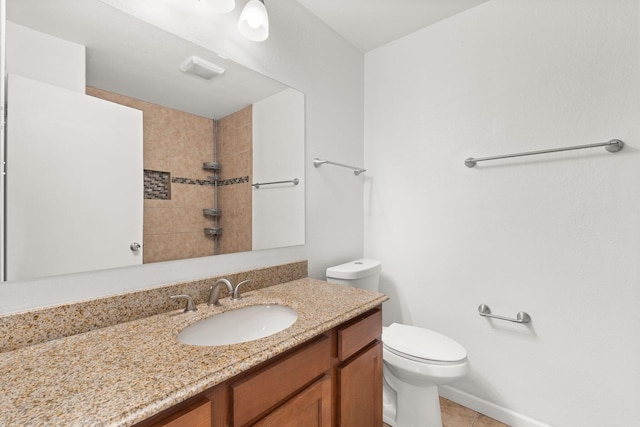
(415, 360)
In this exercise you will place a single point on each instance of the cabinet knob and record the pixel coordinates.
(135, 247)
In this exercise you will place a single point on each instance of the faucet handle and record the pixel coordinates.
(236, 290)
(191, 306)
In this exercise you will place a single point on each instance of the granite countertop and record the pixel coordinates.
(123, 374)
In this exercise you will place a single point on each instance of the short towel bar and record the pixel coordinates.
(294, 181)
(317, 163)
(521, 317)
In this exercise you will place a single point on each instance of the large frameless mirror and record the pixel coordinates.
(127, 145)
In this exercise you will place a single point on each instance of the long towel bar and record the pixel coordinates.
(521, 317)
(317, 163)
(294, 181)
(612, 146)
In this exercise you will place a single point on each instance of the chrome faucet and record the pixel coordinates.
(234, 291)
(214, 291)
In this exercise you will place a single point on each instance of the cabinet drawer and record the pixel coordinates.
(196, 415)
(357, 335)
(270, 386)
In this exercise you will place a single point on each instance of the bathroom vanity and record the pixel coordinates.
(333, 379)
(326, 369)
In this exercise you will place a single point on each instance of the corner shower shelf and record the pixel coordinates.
(212, 212)
(213, 231)
(211, 166)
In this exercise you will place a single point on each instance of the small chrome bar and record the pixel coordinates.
(294, 181)
(521, 317)
(317, 163)
(612, 146)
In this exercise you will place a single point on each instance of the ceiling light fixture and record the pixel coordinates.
(201, 68)
(254, 21)
(220, 6)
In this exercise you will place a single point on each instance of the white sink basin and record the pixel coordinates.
(241, 325)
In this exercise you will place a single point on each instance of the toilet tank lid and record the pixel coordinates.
(355, 269)
(422, 343)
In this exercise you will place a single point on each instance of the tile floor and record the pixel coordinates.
(454, 415)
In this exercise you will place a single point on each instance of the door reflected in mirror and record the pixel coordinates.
(203, 143)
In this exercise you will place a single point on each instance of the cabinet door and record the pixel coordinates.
(360, 389)
(309, 408)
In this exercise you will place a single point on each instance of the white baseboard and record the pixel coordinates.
(489, 409)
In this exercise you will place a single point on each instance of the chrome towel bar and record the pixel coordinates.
(521, 317)
(294, 181)
(612, 146)
(317, 163)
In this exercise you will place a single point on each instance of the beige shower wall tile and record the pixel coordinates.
(235, 134)
(166, 247)
(237, 235)
(245, 196)
(193, 145)
(244, 116)
(198, 196)
(236, 166)
(159, 220)
(226, 196)
(157, 247)
(244, 139)
(192, 245)
(235, 196)
(158, 203)
(244, 230)
(191, 220)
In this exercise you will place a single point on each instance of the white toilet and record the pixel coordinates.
(416, 360)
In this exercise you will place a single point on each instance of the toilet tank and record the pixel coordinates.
(362, 273)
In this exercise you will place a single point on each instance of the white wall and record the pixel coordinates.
(557, 236)
(278, 155)
(45, 58)
(305, 54)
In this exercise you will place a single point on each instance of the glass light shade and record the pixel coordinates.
(254, 22)
(220, 6)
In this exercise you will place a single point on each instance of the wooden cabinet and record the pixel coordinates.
(334, 379)
(259, 393)
(359, 372)
(360, 389)
(310, 408)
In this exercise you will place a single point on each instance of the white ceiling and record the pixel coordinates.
(368, 24)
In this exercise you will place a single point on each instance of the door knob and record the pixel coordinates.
(135, 247)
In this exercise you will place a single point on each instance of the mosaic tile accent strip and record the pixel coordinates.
(18, 330)
(157, 185)
(239, 180)
(178, 180)
(221, 182)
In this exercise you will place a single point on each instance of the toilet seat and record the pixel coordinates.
(422, 345)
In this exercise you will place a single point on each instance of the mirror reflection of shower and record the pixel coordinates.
(214, 213)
